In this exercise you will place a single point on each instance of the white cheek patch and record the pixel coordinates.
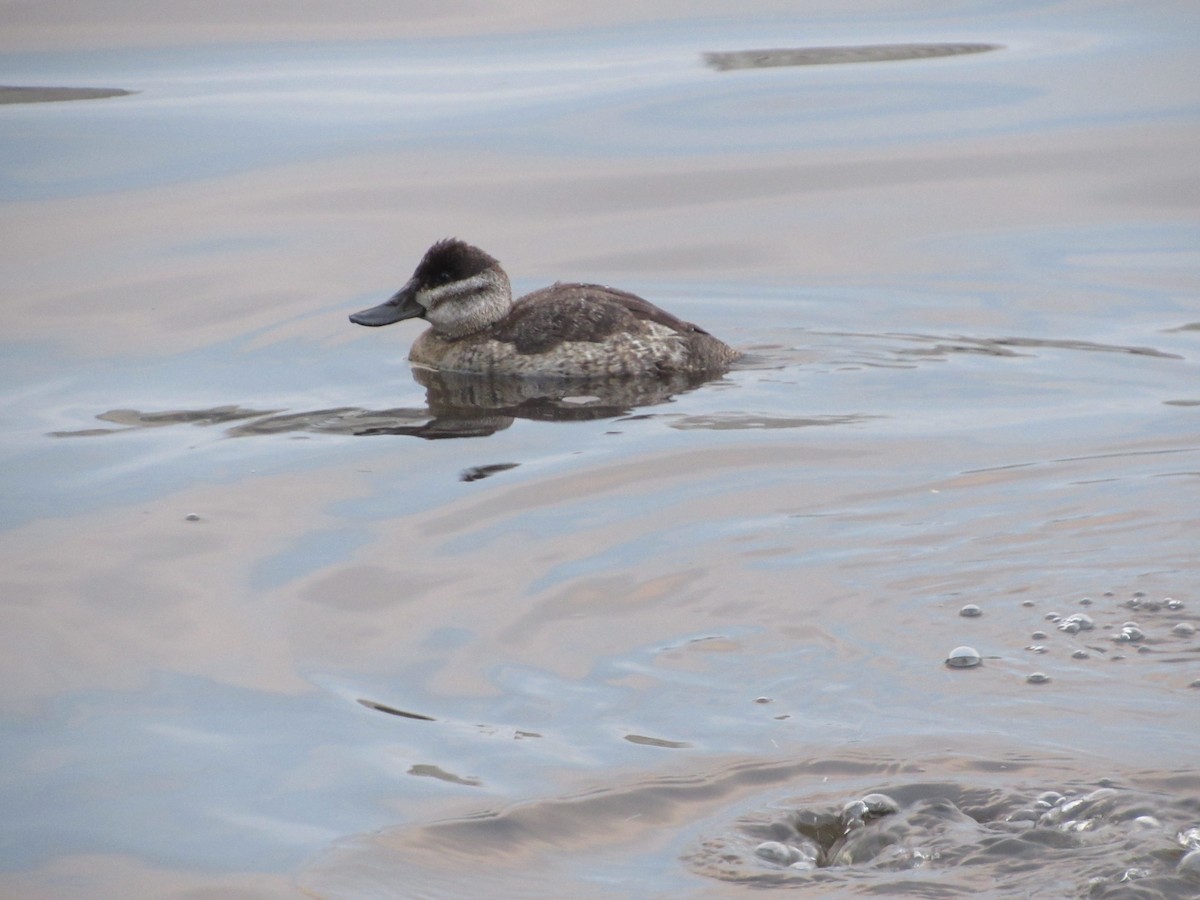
(431, 297)
(462, 306)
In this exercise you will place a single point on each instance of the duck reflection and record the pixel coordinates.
(457, 406)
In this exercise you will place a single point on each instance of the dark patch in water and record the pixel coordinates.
(656, 742)
(426, 771)
(13, 94)
(831, 56)
(475, 473)
(392, 711)
(745, 421)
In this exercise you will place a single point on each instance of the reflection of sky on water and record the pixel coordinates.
(220, 773)
(211, 111)
(146, 757)
(142, 761)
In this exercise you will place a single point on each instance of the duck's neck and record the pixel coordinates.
(465, 307)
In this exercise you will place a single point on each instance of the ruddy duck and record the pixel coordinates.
(565, 330)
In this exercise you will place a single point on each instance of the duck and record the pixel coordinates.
(566, 330)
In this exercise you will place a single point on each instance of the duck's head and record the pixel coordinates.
(457, 288)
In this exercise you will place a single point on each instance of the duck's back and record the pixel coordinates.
(580, 330)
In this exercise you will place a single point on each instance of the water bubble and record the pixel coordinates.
(192, 517)
(1071, 807)
(1148, 822)
(857, 813)
(1051, 817)
(781, 854)
(1076, 622)
(1189, 866)
(1037, 678)
(1172, 603)
(1052, 617)
(1051, 797)
(963, 658)
(970, 611)
(853, 813)
(1038, 636)
(1183, 629)
(1085, 601)
(1081, 654)
(880, 804)
(1080, 813)
(1027, 603)
(802, 857)
(1189, 838)
(1104, 793)
(762, 699)
(1130, 633)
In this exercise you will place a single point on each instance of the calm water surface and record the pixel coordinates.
(263, 635)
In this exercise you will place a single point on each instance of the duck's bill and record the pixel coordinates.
(402, 305)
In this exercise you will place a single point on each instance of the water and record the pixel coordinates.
(265, 633)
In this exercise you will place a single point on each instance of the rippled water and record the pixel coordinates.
(282, 618)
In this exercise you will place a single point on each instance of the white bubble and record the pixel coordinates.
(1189, 866)
(963, 658)
(1130, 633)
(880, 804)
(787, 855)
(774, 851)
(1076, 622)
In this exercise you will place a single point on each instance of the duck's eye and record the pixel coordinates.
(441, 277)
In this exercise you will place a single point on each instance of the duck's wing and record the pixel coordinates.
(580, 312)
